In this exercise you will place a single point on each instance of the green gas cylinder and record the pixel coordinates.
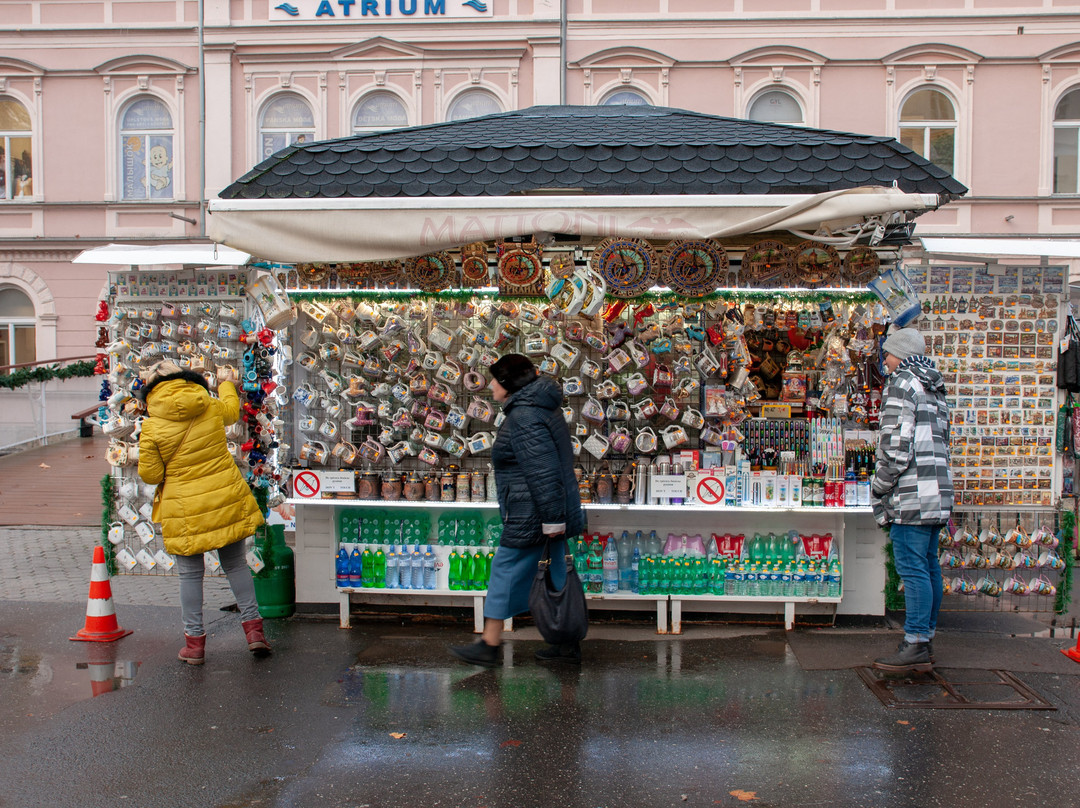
(275, 584)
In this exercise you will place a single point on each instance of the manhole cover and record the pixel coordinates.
(953, 689)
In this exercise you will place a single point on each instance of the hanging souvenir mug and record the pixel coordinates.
(480, 409)
(441, 393)
(432, 439)
(707, 364)
(371, 450)
(314, 451)
(617, 360)
(617, 411)
(638, 352)
(345, 452)
(474, 382)
(592, 411)
(590, 369)
(435, 420)
(607, 389)
(636, 384)
(397, 451)
(646, 440)
(669, 409)
(328, 429)
(597, 446)
(449, 372)
(454, 444)
(456, 417)
(575, 445)
(620, 440)
(712, 436)
(428, 456)
(645, 409)
(596, 289)
(674, 436)
(573, 386)
(480, 442)
(565, 354)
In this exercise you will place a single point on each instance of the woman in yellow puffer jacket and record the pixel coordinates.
(204, 502)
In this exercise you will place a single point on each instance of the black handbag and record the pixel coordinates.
(561, 615)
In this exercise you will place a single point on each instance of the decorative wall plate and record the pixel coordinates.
(521, 270)
(561, 265)
(694, 268)
(629, 266)
(474, 264)
(431, 272)
(313, 273)
(816, 264)
(766, 264)
(861, 265)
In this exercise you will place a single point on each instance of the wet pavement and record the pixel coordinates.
(380, 715)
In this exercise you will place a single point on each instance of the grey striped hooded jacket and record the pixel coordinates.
(913, 481)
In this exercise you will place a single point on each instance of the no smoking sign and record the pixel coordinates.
(306, 484)
(710, 491)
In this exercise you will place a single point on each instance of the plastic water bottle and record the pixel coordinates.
(655, 545)
(787, 581)
(834, 578)
(417, 565)
(800, 580)
(367, 564)
(429, 568)
(635, 570)
(594, 566)
(404, 568)
(625, 553)
(341, 567)
(356, 568)
(477, 577)
(815, 587)
(390, 579)
(701, 576)
(379, 564)
(611, 566)
(729, 580)
(738, 580)
(454, 572)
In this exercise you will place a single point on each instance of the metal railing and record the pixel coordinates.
(37, 401)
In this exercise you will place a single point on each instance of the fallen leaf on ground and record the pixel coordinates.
(744, 796)
(44, 466)
(505, 744)
(398, 735)
(905, 723)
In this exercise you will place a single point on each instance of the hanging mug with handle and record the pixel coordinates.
(597, 445)
(646, 440)
(619, 439)
(674, 436)
(692, 419)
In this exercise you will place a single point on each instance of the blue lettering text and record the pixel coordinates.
(325, 9)
(434, 6)
(408, 6)
(346, 6)
(369, 7)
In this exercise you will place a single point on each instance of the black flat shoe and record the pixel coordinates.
(477, 653)
(560, 653)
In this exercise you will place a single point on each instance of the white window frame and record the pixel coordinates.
(367, 93)
(1054, 126)
(9, 324)
(115, 147)
(778, 88)
(35, 158)
(473, 88)
(260, 130)
(625, 88)
(958, 168)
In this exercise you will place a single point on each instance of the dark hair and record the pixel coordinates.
(514, 371)
(183, 375)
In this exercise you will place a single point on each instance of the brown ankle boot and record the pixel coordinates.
(256, 640)
(194, 652)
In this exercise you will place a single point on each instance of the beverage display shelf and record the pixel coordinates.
(589, 506)
(382, 590)
(752, 599)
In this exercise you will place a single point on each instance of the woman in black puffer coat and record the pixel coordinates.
(538, 501)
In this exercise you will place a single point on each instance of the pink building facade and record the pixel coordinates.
(106, 137)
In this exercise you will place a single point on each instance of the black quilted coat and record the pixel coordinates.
(534, 466)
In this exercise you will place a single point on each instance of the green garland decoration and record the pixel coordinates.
(737, 295)
(45, 373)
(107, 518)
(1066, 549)
(894, 598)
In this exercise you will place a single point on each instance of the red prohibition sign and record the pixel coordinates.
(710, 490)
(306, 484)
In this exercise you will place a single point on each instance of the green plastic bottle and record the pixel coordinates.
(455, 569)
(367, 565)
(379, 566)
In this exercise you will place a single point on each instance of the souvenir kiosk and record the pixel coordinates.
(717, 348)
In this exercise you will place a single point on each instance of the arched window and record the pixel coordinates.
(16, 170)
(146, 150)
(18, 341)
(472, 104)
(379, 111)
(928, 126)
(1067, 143)
(775, 106)
(629, 98)
(285, 119)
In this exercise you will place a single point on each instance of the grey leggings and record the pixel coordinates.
(191, 586)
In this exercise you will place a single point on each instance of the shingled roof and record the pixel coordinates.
(613, 150)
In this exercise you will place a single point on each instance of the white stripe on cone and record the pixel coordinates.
(95, 607)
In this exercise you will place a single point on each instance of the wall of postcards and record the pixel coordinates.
(203, 320)
(994, 336)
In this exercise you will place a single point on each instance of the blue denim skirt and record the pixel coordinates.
(512, 572)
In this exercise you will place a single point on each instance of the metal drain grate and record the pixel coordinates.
(962, 689)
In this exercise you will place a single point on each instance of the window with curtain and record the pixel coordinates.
(928, 126)
(285, 119)
(629, 98)
(18, 335)
(1067, 143)
(379, 111)
(473, 104)
(16, 166)
(146, 150)
(775, 106)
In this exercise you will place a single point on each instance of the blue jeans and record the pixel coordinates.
(236, 569)
(915, 550)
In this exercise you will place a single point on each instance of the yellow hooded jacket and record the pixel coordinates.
(205, 503)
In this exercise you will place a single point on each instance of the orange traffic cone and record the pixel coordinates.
(1073, 653)
(101, 625)
(102, 667)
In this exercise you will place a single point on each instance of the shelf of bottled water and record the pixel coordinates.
(774, 566)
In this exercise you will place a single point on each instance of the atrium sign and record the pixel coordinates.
(372, 10)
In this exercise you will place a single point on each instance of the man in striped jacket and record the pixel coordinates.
(913, 490)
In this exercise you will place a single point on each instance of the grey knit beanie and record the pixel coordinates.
(904, 343)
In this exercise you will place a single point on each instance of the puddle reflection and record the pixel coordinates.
(107, 673)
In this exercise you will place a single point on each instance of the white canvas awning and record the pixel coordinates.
(374, 229)
(195, 255)
(1001, 247)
